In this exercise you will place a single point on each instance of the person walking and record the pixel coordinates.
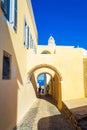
(47, 88)
(39, 90)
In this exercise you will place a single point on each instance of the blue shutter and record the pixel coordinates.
(8, 9)
(35, 51)
(31, 41)
(15, 15)
(26, 34)
(24, 31)
(27, 37)
(5, 5)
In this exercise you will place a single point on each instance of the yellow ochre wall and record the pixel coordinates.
(16, 95)
(69, 63)
(55, 87)
(85, 74)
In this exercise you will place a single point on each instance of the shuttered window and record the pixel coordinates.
(35, 50)
(5, 7)
(6, 74)
(31, 42)
(11, 13)
(26, 35)
(15, 15)
(9, 8)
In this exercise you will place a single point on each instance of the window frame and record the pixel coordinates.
(26, 34)
(10, 12)
(7, 56)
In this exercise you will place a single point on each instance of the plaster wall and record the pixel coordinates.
(16, 92)
(69, 63)
(85, 74)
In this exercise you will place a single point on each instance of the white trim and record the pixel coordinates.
(10, 25)
(26, 36)
(11, 13)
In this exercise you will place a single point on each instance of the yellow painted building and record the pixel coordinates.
(22, 60)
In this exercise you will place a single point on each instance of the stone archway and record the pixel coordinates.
(45, 66)
(59, 105)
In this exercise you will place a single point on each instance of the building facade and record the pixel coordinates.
(18, 38)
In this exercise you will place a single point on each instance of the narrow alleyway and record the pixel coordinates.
(43, 115)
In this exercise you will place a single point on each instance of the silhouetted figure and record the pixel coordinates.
(39, 89)
(47, 88)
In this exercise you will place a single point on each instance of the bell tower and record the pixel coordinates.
(51, 44)
(51, 41)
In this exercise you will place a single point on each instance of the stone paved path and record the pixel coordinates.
(44, 116)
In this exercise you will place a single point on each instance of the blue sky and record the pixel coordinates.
(41, 79)
(65, 20)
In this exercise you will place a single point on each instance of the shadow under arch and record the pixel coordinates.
(59, 105)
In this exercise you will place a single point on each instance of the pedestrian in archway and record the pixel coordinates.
(39, 90)
(47, 89)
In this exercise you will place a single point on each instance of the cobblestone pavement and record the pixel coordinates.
(44, 116)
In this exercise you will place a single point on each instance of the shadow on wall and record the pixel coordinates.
(9, 88)
(20, 98)
(54, 84)
(85, 75)
(34, 83)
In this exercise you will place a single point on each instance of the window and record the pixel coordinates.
(15, 15)
(35, 50)
(9, 8)
(26, 35)
(6, 66)
(32, 44)
(5, 6)
(28, 40)
(31, 41)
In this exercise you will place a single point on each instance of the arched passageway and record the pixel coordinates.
(44, 80)
(56, 81)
